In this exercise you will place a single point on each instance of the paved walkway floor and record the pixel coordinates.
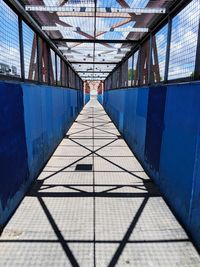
(109, 215)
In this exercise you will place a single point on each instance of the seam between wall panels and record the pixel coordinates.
(195, 174)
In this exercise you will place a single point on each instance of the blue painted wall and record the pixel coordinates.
(33, 120)
(161, 124)
(86, 98)
(100, 98)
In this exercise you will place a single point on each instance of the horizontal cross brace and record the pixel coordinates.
(102, 72)
(98, 41)
(91, 30)
(93, 79)
(103, 48)
(99, 56)
(91, 15)
(94, 63)
(77, 8)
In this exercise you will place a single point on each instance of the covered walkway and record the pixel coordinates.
(93, 205)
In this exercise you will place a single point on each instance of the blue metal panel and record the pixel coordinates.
(172, 141)
(34, 127)
(194, 216)
(86, 98)
(115, 107)
(13, 151)
(128, 109)
(100, 99)
(178, 154)
(47, 109)
(33, 120)
(47, 117)
(135, 119)
(155, 124)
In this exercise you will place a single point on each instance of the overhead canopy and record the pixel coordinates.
(95, 35)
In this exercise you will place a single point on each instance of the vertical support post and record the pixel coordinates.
(69, 80)
(39, 59)
(76, 77)
(49, 78)
(61, 72)
(82, 83)
(139, 65)
(21, 47)
(33, 66)
(169, 35)
(56, 69)
(120, 76)
(149, 75)
(132, 73)
(67, 76)
(197, 61)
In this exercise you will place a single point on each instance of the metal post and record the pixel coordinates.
(169, 35)
(56, 69)
(61, 74)
(197, 61)
(67, 76)
(120, 76)
(139, 65)
(111, 76)
(65, 66)
(21, 47)
(49, 78)
(132, 75)
(150, 61)
(39, 59)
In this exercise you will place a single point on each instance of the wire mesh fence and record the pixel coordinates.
(9, 42)
(26, 55)
(184, 41)
(169, 54)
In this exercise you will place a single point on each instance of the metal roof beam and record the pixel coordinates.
(93, 79)
(85, 9)
(95, 63)
(104, 49)
(91, 15)
(93, 75)
(86, 71)
(99, 41)
(105, 29)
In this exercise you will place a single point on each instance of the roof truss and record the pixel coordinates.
(117, 30)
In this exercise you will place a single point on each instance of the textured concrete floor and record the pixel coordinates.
(110, 216)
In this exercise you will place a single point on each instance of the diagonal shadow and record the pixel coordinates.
(111, 162)
(90, 128)
(149, 192)
(126, 237)
(93, 127)
(90, 120)
(90, 117)
(60, 237)
(76, 161)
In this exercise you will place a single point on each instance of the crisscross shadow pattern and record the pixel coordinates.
(109, 215)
